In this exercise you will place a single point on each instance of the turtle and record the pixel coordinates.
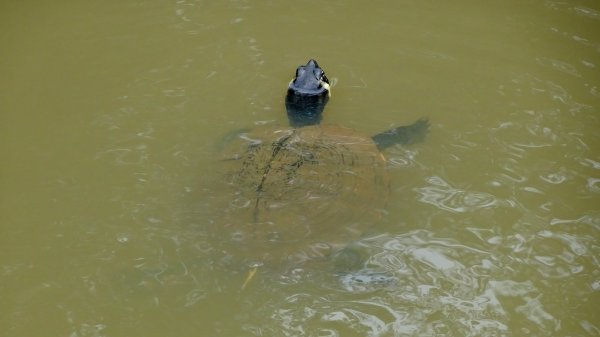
(303, 190)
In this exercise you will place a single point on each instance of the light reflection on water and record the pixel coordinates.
(447, 198)
(440, 287)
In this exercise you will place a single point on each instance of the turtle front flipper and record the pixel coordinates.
(403, 135)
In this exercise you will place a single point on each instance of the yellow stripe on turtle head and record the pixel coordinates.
(327, 87)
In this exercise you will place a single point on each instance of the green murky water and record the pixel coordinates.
(111, 118)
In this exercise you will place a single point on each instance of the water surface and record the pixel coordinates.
(112, 117)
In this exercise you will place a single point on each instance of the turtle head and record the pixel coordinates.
(310, 80)
(307, 95)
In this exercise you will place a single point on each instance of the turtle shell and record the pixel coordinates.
(305, 189)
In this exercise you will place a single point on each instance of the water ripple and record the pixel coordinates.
(435, 279)
(593, 185)
(589, 219)
(443, 287)
(558, 65)
(442, 195)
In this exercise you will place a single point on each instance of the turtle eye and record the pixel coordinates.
(319, 74)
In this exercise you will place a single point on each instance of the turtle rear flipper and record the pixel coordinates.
(403, 135)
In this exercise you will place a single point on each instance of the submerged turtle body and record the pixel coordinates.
(320, 184)
(301, 191)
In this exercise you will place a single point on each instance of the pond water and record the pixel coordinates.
(112, 121)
